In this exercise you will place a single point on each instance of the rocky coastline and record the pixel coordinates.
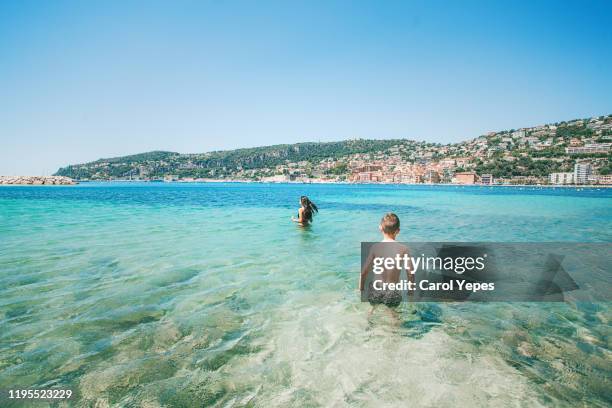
(36, 180)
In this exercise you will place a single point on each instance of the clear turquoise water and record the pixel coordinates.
(206, 294)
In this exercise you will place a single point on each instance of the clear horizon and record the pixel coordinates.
(84, 81)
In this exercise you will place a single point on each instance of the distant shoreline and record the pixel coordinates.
(64, 181)
(213, 181)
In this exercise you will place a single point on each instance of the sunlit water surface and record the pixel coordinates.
(207, 294)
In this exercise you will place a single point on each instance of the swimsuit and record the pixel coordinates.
(391, 298)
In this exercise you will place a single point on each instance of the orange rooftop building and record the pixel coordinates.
(466, 178)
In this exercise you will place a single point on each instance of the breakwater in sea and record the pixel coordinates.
(36, 180)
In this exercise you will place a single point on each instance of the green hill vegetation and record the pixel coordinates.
(536, 151)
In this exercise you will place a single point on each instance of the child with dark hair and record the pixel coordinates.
(306, 211)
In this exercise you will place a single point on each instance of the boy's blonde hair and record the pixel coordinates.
(390, 223)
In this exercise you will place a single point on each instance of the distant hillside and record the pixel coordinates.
(527, 152)
(220, 163)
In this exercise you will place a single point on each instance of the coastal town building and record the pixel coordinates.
(575, 142)
(486, 179)
(561, 178)
(582, 173)
(590, 148)
(604, 179)
(465, 178)
(462, 161)
(431, 177)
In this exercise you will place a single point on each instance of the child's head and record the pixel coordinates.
(390, 225)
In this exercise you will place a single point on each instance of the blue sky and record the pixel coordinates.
(84, 80)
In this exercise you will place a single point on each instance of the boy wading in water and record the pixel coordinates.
(378, 292)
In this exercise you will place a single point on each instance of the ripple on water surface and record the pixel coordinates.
(175, 295)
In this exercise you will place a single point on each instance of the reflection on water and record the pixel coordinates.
(173, 295)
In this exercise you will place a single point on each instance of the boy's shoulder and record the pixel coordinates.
(403, 247)
(390, 248)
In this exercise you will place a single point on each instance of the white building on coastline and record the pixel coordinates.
(486, 179)
(561, 178)
(582, 173)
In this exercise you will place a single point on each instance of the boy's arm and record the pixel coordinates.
(410, 268)
(366, 268)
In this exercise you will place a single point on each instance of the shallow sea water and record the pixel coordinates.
(172, 295)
